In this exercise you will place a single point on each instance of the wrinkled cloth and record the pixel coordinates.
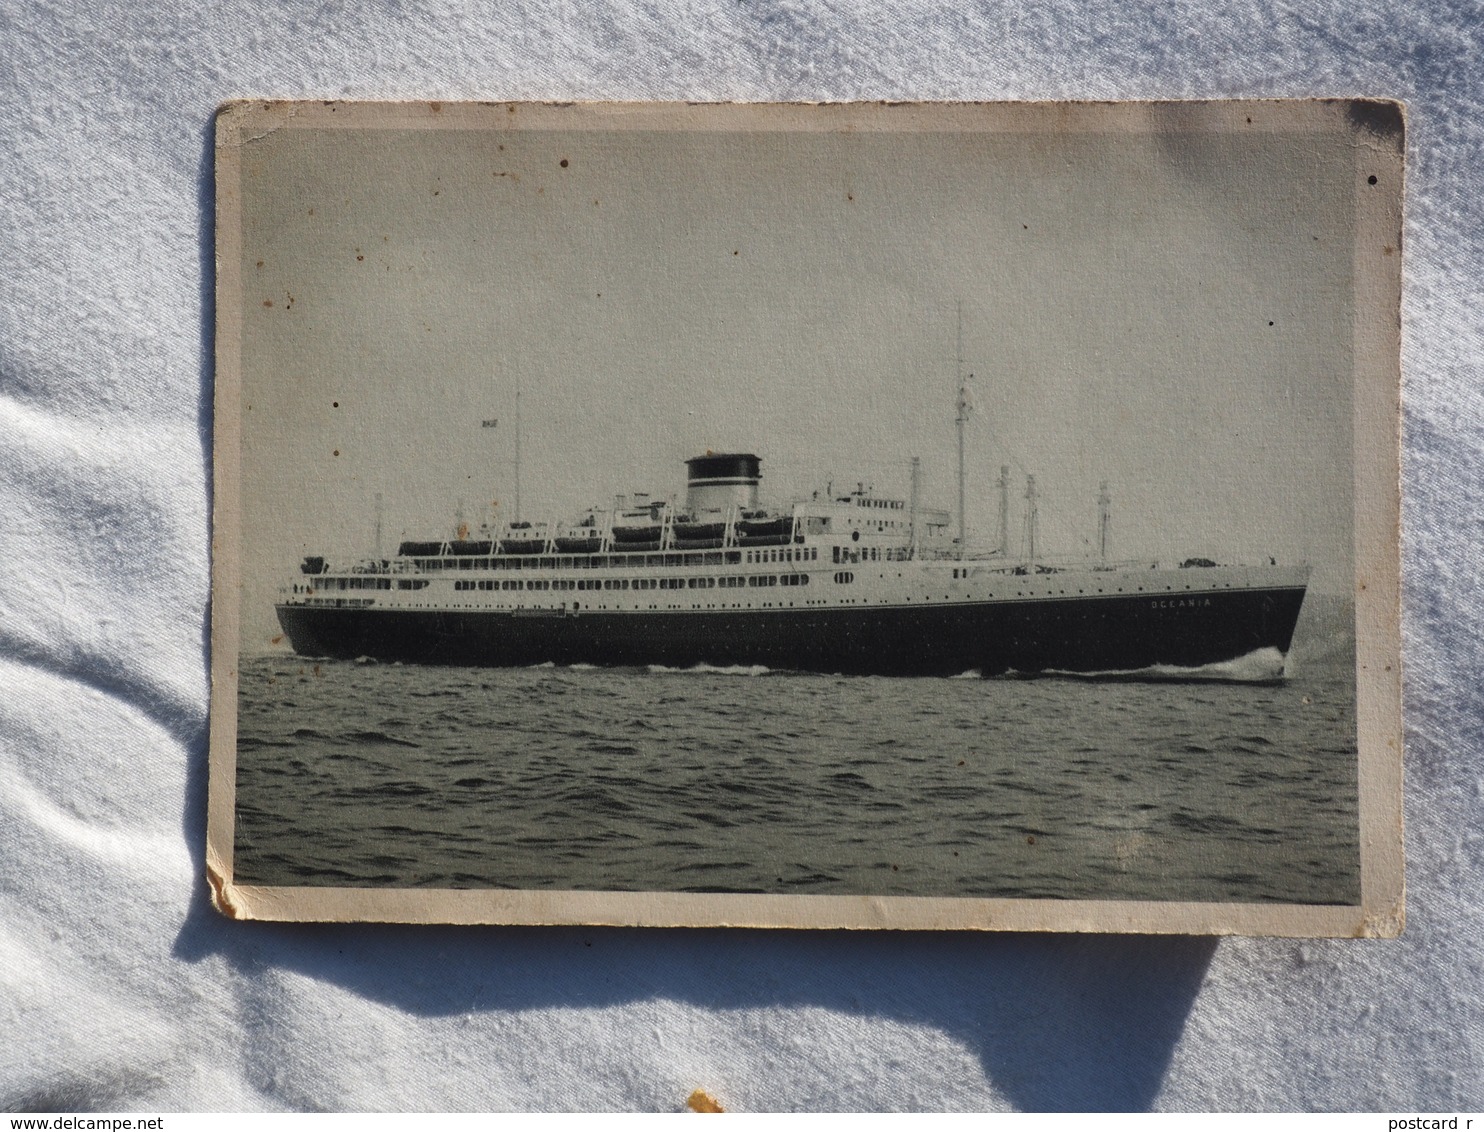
(120, 988)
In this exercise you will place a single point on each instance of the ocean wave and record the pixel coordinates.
(379, 737)
(608, 779)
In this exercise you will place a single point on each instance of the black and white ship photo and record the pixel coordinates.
(908, 516)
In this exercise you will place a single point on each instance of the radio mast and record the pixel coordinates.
(380, 515)
(916, 499)
(1005, 511)
(1105, 521)
(517, 450)
(1031, 517)
(965, 406)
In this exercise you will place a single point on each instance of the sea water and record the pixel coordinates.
(1215, 785)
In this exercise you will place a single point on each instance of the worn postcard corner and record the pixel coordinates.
(223, 898)
(921, 516)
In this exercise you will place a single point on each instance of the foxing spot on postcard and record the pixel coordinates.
(903, 516)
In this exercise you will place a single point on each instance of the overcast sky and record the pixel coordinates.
(1169, 311)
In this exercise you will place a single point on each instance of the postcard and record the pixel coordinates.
(921, 516)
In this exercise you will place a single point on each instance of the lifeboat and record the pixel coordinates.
(523, 538)
(580, 538)
(639, 526)
(760, 528)
(711, 525)
(469, 547)
(420, 549)
(626, 534)
(702, 531)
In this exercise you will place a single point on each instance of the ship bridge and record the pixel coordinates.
(864, 516)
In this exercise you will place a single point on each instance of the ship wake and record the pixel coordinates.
(716, 669)
(1263, 666)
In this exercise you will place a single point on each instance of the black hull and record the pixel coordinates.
(1085, 635)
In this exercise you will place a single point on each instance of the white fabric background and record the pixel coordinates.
(120, 988)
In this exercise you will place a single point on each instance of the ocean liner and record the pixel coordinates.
(847, 581)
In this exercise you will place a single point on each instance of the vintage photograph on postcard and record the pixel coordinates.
(908, 516)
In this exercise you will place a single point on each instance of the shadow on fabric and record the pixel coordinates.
(1060, 1023)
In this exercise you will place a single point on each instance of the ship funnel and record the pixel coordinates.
(717, 481)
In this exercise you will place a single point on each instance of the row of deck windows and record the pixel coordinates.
(508, 584)
(356, 583)
(632, 583)
(374, 580)
(621, 561)
(580, 561)
(841, 556)
(845, 554)
(784, 554)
